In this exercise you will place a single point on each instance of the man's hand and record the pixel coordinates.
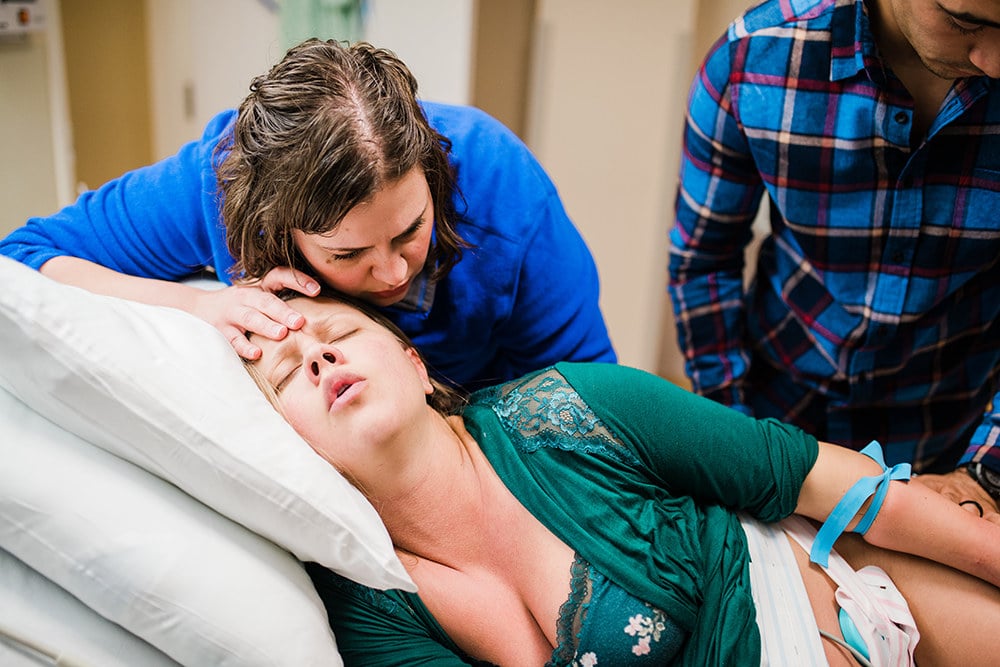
(959, 487)
(253, 308)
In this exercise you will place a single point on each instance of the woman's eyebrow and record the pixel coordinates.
(417, 221)
(315, 327)
(409, 230)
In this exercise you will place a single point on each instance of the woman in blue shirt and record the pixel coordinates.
(332, 171)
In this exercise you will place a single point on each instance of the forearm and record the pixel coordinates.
(917, 520)
(717, 199)
(912, 519)
(708, 301)
(102, 280)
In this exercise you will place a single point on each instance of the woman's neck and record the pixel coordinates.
(441, 497)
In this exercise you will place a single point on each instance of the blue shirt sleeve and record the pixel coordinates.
(158, 221)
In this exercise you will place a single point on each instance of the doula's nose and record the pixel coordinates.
(392, 271)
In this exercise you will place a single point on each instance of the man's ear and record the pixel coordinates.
(418, 363)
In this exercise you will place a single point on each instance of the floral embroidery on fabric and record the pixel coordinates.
(647, 629)
(590, 625)
(545, 411)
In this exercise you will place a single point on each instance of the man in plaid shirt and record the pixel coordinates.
(873, 126)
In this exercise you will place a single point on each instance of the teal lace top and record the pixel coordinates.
(643, 480)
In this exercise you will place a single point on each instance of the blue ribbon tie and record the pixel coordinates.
(850, 504)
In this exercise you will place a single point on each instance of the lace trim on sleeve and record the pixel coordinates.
(545, 411)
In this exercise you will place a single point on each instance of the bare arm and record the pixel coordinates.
(913, 519)
(233, 310)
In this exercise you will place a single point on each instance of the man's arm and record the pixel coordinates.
(717, 200)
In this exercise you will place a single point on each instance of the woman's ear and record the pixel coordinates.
(418, 363)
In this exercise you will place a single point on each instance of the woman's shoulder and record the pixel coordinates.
(455, 121)
(482, 144)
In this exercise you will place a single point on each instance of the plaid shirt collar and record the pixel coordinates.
(852, 45)
(853, 50)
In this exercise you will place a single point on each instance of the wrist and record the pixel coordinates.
(987, 478)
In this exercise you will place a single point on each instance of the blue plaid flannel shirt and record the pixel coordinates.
(874, 310)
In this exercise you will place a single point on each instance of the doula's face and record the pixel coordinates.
(380, 246)
(952, 38)
(345, 383)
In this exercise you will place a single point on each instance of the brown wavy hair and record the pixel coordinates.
(324, 130)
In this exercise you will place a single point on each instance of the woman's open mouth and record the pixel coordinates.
(343, 390)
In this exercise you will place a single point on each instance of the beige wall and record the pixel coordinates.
(606, 109)
(36, 170)
(26, 185)
(504, 36)
(606, 112)
(108, 87)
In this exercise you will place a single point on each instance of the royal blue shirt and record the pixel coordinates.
(874, 310)
(524, 296)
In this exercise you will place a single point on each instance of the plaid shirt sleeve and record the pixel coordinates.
(985, 444)
(718, 197)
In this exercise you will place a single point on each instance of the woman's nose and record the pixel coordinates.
(320, 357)
(391, 271)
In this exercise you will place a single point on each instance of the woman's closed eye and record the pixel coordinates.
(286, 376)
(410, 231)
(346, 256)
(408, 234)
(283, 382)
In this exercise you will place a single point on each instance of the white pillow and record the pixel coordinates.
(145, 555)
(38, 615)
(164, 390)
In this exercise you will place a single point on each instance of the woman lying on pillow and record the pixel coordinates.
(596, 514)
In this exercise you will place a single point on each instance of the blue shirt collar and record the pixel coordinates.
(420, 297)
